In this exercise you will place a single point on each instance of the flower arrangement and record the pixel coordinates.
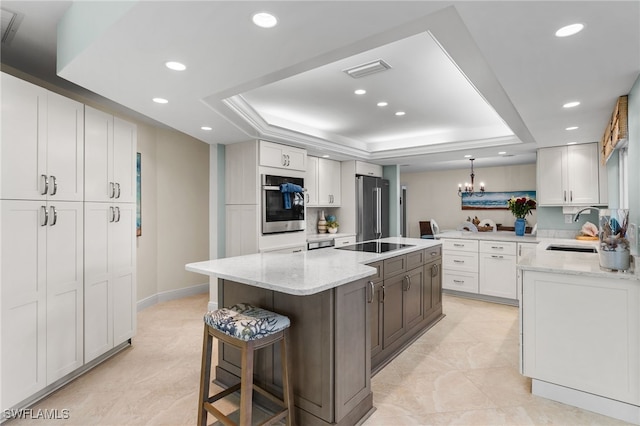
(521, 207)
(332, 224)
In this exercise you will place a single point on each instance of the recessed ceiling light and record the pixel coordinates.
(176, 66)
(325, 156)
(502, 152)
(569, 30)
(360, 92)
(572, 143)
(382, 104)
(265, 20)
(206, 128)
(572, 128)
(399, 113)
(160, 100)
(571, 104)
(468, 156)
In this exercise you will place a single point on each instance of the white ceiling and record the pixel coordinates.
(473, 77)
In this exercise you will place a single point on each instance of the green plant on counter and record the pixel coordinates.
(332, 224)
(521, 207)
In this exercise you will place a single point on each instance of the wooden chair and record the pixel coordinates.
(247, 328)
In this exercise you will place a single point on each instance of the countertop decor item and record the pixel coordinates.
(332, 225)
(322, 223)
(521, 207)
(614, 247)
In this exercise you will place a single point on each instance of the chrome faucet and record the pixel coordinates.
(577, 215)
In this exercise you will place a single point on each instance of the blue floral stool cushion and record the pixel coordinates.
(246, 322)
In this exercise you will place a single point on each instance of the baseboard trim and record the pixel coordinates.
(482, 297)
(165, 296)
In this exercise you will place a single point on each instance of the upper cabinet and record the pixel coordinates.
(569, 175)
(110, 153)
(323, 183)
(368, 169)
(42, 143)
(282, 156)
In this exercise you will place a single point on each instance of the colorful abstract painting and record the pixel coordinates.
(493, 200)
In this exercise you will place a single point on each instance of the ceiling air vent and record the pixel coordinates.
(10, 22)
(367, 69)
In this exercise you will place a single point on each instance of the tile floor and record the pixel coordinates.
(464, 371)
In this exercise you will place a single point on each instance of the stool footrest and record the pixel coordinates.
(218, 414)
(223, 393)
(269, 396)
(278, 416)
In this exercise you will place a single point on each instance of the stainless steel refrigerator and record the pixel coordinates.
(372, 196)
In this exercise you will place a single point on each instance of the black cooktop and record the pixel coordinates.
(375, 247)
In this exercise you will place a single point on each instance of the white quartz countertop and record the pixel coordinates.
(306, 272)
(490, 236)
(572, 263)
(313, 238)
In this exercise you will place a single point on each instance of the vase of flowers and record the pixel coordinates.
(521, 207)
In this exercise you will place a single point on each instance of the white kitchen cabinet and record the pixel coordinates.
(110, 158)
(344, 241)
(582, 334)
(311, 182)
(460, 265)
(525, 249)
(497, 269)
(41, 156)
(323, 182)
(368, 169)
(329, 182)
(241, 229)
(110, 276)
(242, 184)
(282, 156)
(41, 295)
(568, 175)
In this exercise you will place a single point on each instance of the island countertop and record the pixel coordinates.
(306, 272)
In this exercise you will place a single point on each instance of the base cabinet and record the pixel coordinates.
(110, 291)
(41, 295)
(582, 333)
(404, 303)
(330, 341)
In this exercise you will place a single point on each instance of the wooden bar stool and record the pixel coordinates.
(247, 328)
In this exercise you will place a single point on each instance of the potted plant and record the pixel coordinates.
(521, 207)
(332, 226)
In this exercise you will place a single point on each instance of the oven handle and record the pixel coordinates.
(276, 188)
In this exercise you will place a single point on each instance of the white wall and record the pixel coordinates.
(433, 195)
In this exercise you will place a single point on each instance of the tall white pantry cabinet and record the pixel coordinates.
(49, 312)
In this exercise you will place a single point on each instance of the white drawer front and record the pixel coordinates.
(460, 261)
(460, 245)
(344, 241)
(460, 281)
(498, 247)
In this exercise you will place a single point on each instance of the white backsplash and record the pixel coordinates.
(313, 215)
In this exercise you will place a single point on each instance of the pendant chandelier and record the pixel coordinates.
(468, 188)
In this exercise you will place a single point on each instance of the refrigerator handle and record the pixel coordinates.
(378, 194)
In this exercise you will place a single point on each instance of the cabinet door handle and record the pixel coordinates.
(458, 281)
(113, 214)
(45, 180)
(458, 261)
(458, 245)
(118, 211)
(434, 270)
(571, 195)
(371, 289)
(307, 198)
(54, 181)
(118, 190)
(497, 247)
(497, 257)
(408, 282)
(434, 253)
(519, 250)
(46, 215)
(112, 190)
(55, 216)
(384, 293)
(565, 196)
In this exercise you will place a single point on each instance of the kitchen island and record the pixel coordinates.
(580, 332)
(336, 300)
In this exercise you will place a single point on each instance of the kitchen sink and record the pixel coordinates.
(578, 249)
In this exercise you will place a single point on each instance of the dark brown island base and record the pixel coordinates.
(341, 336)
